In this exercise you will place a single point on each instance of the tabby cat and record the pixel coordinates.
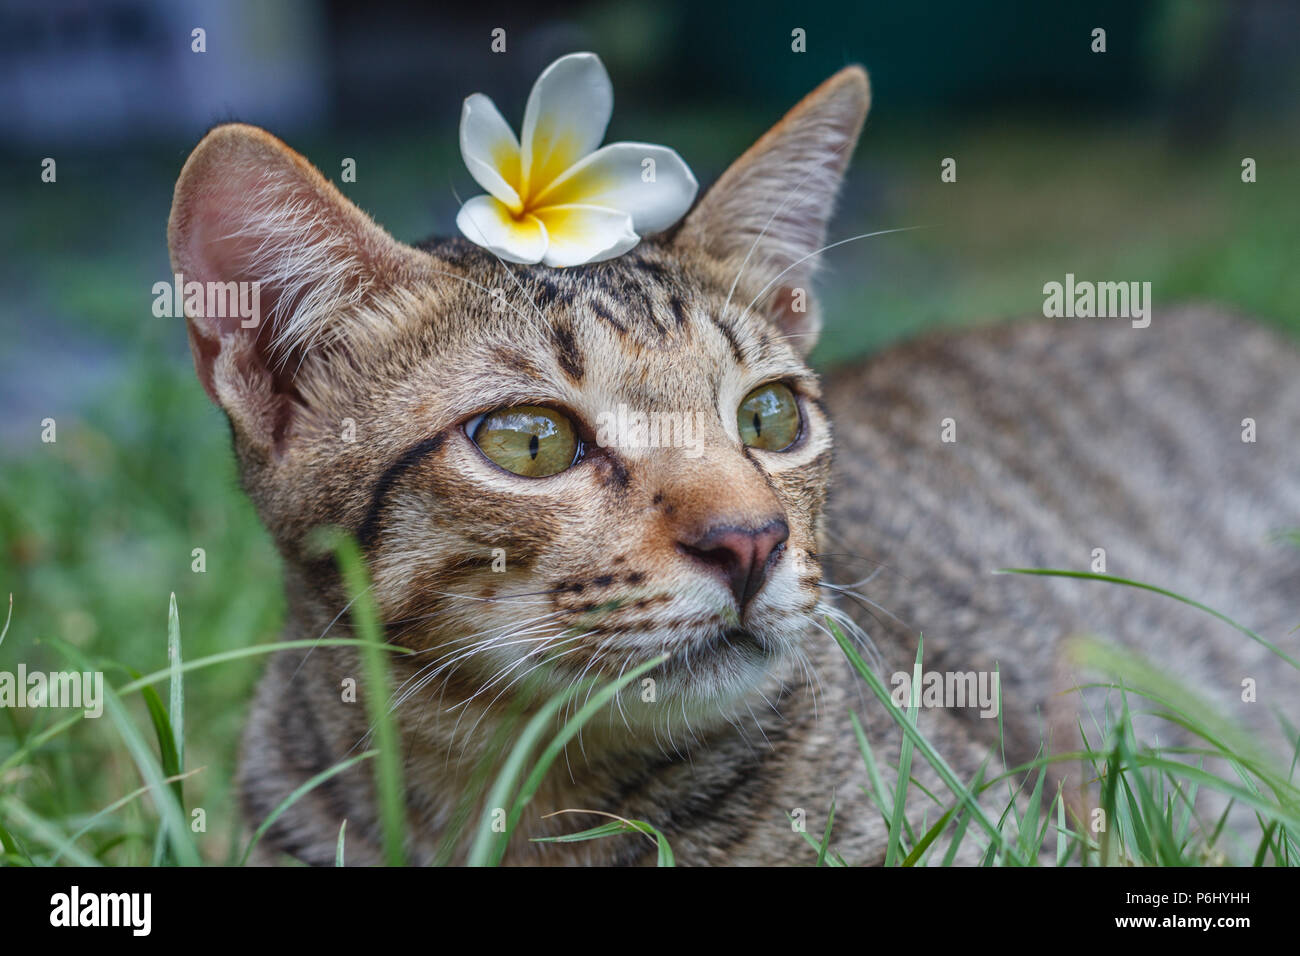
(388, 393)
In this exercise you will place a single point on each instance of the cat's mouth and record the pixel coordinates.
(736, 639)
(736, 645)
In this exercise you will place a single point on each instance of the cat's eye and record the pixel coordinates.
(768, 418)
(528, 440)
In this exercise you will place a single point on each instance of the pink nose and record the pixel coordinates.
(742, 556)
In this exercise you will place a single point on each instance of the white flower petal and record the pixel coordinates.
(614, 177)
(487, 221)
(580, 234)
(567, 113)
(490, 150)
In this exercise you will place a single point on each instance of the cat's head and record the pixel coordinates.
(475, 424)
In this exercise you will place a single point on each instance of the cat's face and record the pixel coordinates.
(691, 540)
(554, 473)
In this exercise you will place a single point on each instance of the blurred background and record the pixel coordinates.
(1122, 165)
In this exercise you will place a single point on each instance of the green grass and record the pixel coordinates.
(1147, 795)
(378, 691)
(28, 836)
(98, 529)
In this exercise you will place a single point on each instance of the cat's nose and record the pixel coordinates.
(742, 555)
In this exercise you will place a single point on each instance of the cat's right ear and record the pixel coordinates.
(765, 218)
(304, 262)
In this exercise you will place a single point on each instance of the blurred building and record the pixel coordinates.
(106, 70)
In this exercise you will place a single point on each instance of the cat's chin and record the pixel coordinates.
(736, 640)
(720, 667)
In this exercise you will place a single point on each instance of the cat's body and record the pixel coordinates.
(1069, 437)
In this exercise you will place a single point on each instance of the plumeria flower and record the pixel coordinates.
(555, 198)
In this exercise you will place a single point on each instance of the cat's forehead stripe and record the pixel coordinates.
(567, 354)
(644, 296)
(729, 334)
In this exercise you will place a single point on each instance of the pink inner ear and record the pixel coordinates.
(253, 219)
(225, 235)
(794, 314)
(222, 245)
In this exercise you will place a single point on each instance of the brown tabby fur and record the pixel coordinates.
(1070, 435)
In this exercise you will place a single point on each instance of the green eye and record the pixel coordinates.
(768, 418)
(527, 440)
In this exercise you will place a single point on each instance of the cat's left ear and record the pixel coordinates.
(766, 217)
(253, 217)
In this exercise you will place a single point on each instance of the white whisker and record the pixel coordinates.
(817, 252)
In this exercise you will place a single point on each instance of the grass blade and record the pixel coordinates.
(929, 837)
(44, 831)
(388, 767)
(111, 808)
(177, 686)
(305, 788)
(927, 750)
(489, 846)
(905, 761)
(1125, 582)
(616, 826)
(826, 836)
